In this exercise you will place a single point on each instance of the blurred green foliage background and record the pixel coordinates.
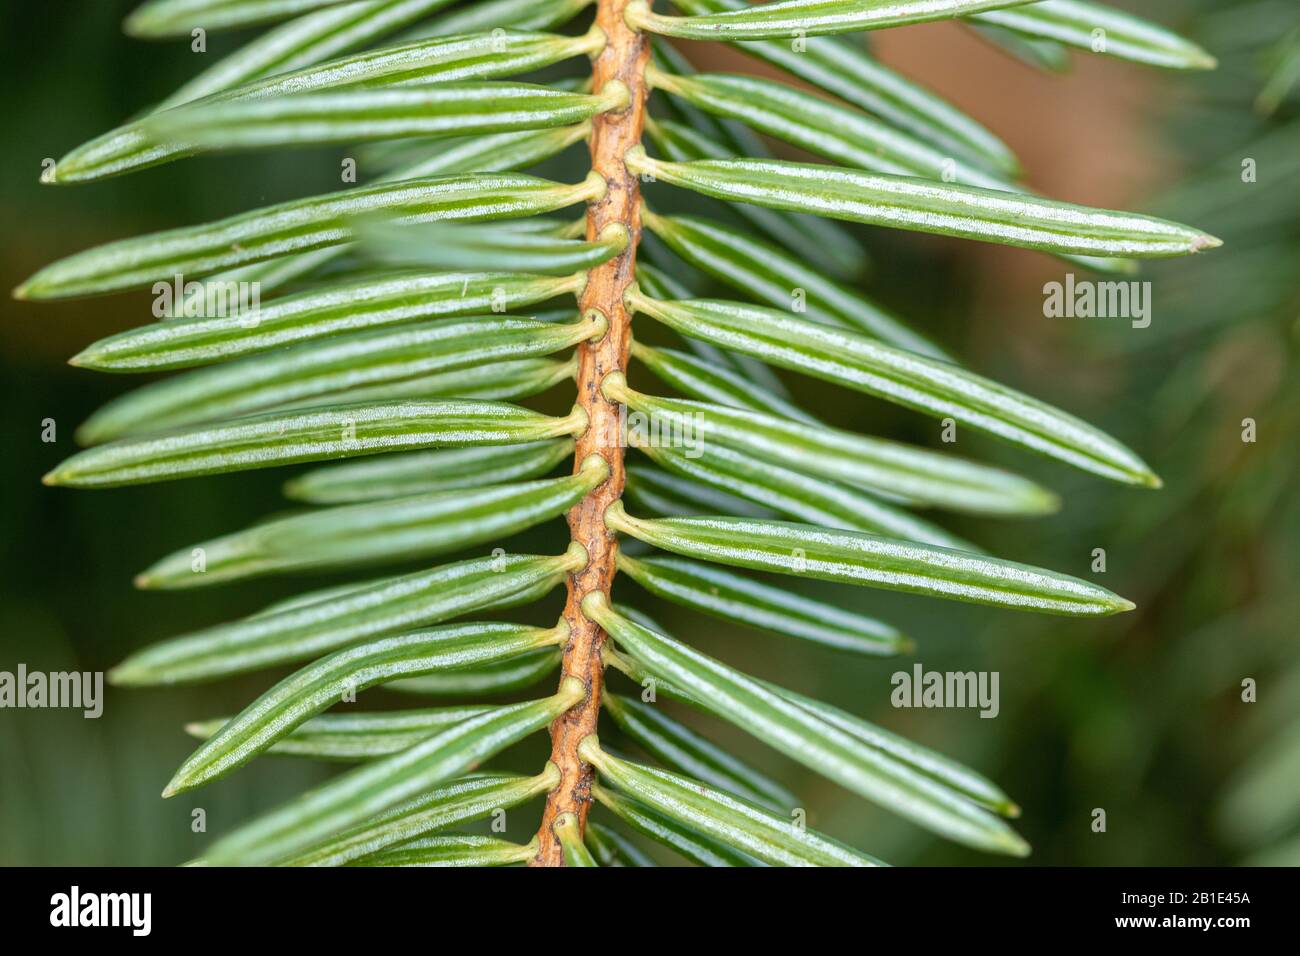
(1140, 715)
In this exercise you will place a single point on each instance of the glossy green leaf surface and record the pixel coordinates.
(354, 736)
(815, 123)
(842, 254)
(695, 847)
(504, 677)
(668, 494)
(780, 279)
(167, 18)
(850, 137)
(499, 152)
(730, 820)
(854, 558)
(839, 132)
(395, 476)
(303, 42)
(315, 370)
(340, 617)
(849, 72)
(699, 378)
(1102, 29)
(298, 226)
(932, 387)
(447, 248)
(800, 735)
(785, 18)
(452, 850)
(360, 115)
(660, 285)
(946, 771)
(724, 594)
(376, 532)
(495, 153)
(320, 685)
(684, 133)
(494, 381)
(797, 495)
(908, 472)
(267, 440)
(489, 15)
(357, 306)
(679, 747)
(359, 794)
(154, 139)
(903, 202)
(327, 33)
(446, 805)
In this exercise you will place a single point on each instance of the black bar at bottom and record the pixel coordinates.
(338, 907)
